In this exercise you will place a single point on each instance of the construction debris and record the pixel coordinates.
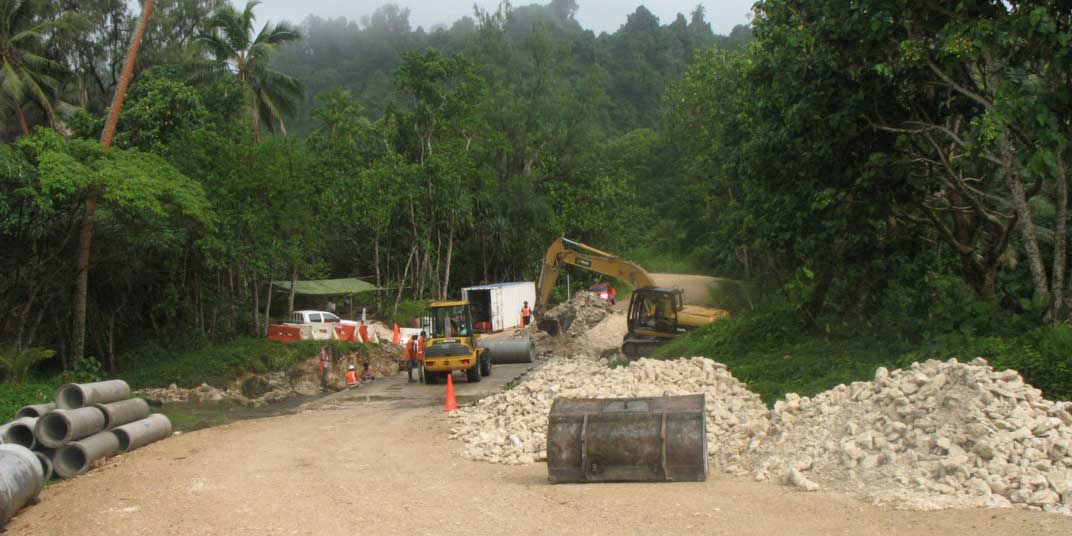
(511, 427)
(259, 390)
(575, 316)
(936, 435)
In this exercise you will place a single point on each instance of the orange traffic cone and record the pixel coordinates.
(396, 337)
(452, 404)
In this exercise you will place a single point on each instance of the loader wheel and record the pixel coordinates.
(472, 374)
(485, 364)
(431, 378)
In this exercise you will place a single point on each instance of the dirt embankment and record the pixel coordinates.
(258, 390)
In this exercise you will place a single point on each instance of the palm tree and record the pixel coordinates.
(25, 75)
(245, 54)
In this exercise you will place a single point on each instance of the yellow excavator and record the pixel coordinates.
(656, 313)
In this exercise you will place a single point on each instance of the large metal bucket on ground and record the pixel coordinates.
(658, 439)
(513, 350)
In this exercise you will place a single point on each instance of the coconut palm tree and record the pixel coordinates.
(25, 74)
(243, 52)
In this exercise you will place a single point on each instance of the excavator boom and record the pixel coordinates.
(589, 258)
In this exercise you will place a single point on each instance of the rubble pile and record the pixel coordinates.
(583, 326)
(511, 427)
(258, 390)
(936, 435)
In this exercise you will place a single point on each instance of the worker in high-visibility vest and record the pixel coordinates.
(351, 376)
(412, 351)
(526, 315)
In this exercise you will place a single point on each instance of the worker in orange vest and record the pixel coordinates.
(351, 376)
(412, 350)
(526, 315)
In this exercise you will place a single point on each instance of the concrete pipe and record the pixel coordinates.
(35, 410)
(140, 433)
(513, 350)
(62, 426)
(80, 395)
(75, 458)
(21, 479)
(19, 432)
(123, 412)
(46, 463)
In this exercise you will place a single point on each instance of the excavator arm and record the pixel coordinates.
(588, 258)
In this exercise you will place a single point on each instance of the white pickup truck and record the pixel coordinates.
(317, 317)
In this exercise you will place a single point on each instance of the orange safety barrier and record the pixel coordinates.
(345, 333)
(284, 333)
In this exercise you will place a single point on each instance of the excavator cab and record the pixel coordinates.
(653, 311)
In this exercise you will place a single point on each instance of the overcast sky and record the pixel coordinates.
(597, 15)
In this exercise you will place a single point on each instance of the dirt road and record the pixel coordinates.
(388, 468)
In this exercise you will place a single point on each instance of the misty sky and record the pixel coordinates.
(598, 15)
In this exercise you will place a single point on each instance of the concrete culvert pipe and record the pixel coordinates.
(140, 433)
(76, 458)
(123, 412)
(514, 350)
(46, 463)
(80, 395)
(62, 426)
(35, 410)
(21, 479)
(19, 432)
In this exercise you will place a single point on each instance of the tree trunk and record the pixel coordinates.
(1027, 224)
(22, 120)
(446, 270)
(268, 305)
(290, 298)
(1060, 241)
(256, 307)
(78, 331)
(815, 304)
(376, 259)
(402, 282)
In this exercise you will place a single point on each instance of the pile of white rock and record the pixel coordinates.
(936, 435)
(511, 427)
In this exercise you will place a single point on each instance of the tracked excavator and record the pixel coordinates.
(656, 313)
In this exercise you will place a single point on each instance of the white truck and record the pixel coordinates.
(497, 306)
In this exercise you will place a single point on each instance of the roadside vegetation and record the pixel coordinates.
(890, 186)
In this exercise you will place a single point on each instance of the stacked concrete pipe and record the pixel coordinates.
(35, 410)
(61, 426)
(21, 479)
(75, 458)
(45, 457)
(140, 433)
(19, 432)
(123, 412)
(80, 395)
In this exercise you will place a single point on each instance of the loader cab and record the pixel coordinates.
(654, 311)
(449, 320)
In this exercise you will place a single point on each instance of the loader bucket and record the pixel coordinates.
(660, 439)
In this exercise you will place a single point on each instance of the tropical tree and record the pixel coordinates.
(241, 51)
(25, 73)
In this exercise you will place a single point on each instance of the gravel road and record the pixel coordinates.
(387, 468)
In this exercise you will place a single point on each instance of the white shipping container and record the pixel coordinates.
(498, 306)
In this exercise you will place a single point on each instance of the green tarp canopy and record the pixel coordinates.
(328, 287)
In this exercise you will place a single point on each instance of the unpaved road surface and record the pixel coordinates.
(696, 287)
(387, 467)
